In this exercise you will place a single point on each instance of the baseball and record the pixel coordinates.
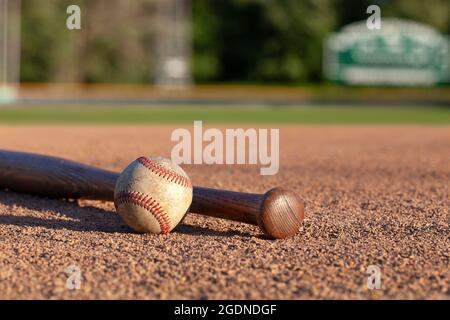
(152, 194)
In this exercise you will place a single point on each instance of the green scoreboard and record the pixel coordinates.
(401, 53)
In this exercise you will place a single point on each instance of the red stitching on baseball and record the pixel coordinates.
(145, 201)
(165, 173)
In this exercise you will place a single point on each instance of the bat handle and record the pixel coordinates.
(278, 212)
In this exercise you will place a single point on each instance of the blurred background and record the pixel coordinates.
(284, 52)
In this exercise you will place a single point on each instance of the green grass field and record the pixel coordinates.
(231, 114)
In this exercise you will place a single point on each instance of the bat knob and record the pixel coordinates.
(281, 213)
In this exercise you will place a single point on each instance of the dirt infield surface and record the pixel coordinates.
(375, 195)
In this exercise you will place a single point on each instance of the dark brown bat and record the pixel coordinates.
(278, 212)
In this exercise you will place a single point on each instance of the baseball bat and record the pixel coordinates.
(278, 212)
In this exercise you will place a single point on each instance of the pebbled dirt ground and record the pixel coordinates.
(375, 195)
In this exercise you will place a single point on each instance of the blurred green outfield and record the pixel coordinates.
(226, 114)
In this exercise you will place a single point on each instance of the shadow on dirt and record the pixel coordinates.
(201, 231)
(58, 214)
(60, 224)
(69, 215)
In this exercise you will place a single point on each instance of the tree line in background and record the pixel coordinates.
(271, 41)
